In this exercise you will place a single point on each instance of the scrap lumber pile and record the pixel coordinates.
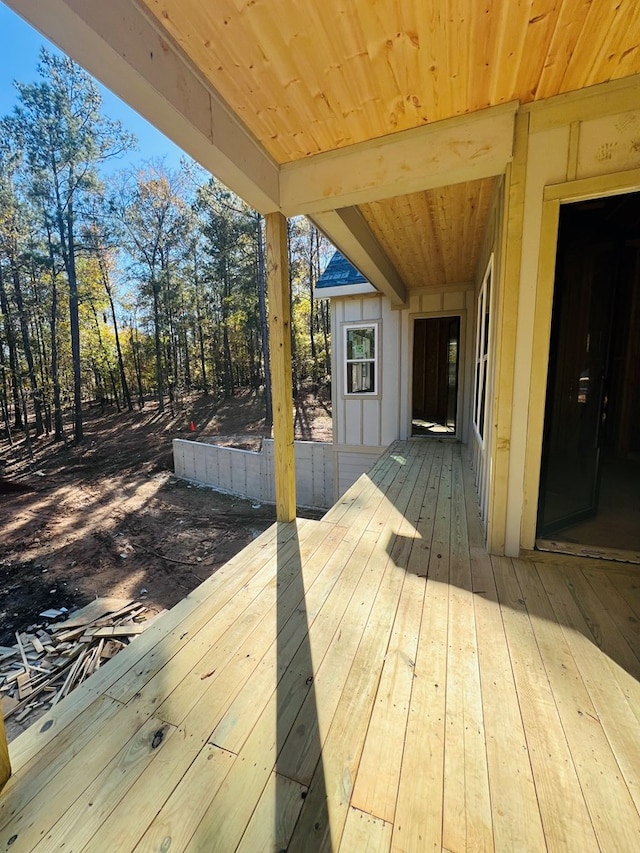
(49, 660)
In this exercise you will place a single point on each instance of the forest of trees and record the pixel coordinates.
(121, 285)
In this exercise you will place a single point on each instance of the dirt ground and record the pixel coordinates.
(108, 518)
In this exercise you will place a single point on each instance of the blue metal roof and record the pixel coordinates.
(340, 272)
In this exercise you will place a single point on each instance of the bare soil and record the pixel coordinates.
(108, 518)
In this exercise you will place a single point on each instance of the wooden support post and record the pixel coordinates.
(5, 765)
(281, 373)
(507, 317)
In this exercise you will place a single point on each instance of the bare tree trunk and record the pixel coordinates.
(26, 346)
(203, 360)
(158, 344)
(136, 365)
(4, 397)
(107, 286)
(43, 371)
(226, 348)
(65, 222)
(14, 365)
(185, 347)
(105, 354)
(53, 331)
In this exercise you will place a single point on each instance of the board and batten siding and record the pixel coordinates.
(580, 145)
(250, 474)
(363, 427)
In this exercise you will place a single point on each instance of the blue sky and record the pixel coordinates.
(19, 49)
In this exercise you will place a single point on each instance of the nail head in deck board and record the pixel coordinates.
(272, 823)
(365, 833)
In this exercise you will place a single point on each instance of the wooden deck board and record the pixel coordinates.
(371, 682)
(563, 811)
(511, 783)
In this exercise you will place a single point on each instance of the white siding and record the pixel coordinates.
(250, 475)
(373, 421)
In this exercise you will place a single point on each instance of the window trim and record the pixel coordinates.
(347, 327)
(483, 346)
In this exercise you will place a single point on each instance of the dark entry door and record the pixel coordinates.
(586, 275)
(590, 476)
(435, 371)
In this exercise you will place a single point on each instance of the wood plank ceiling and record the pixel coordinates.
(437, 234)
(311, 77)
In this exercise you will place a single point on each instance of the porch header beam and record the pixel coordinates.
(120, 46)
(348, 230)
(464, 148)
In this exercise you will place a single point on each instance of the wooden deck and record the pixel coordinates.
(369, 682)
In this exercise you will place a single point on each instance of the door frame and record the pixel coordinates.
(618, 183)
(461, 409)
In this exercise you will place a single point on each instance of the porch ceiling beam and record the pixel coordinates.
(348, 230)
(120, 46)
(464, 148)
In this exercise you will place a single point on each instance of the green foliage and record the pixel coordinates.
(149, 282)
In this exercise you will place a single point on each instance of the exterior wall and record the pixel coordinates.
(359, 420)
(579, 146)
(364, 426)
(251, 475)
(481, 448)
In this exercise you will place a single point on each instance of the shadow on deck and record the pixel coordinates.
(372, 681)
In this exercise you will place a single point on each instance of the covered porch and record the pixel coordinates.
(371, 681)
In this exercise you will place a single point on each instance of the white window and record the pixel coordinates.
(483, 341)
(361, 359)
